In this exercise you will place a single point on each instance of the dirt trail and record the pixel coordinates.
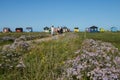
(22, 43)
(46, 39)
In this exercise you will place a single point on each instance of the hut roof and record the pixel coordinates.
(113, 27)
(21, 29)
(6, 28)
(93, 27)
(46, 28)
(76, 28)
(28, 27)
(65, 27)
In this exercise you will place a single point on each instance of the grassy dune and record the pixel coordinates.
(45, 60)
(111, 37)
(9, 37)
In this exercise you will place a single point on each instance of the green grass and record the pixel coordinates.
(15, 34)
(45, 60)
(48, 57)
(111, 37)
(30, 35)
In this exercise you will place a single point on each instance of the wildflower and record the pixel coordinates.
(78, 51)
(21, 65)
(0, 65)
(95, 61)
(105, 78)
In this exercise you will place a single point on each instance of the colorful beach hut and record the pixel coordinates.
(102, 30)
(6, 30)
(29, 29)
(19, 29)
(46, 29)
(65, 29)
(76, 29)
(93, 29)
(87, 29)
(114, 29)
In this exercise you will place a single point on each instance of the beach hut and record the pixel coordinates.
(19, 29)
(46, 29)
(114, 29)
(65, 29)
(76, 29)
(6, 30)
(87, 29)
(29, 29)
(93, 29)
(102, 30)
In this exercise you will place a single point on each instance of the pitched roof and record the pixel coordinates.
(93, 27)
(28, 27)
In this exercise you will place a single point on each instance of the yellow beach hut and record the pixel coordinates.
(102, 30)
(76, 29)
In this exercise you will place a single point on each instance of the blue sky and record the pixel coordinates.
(70, 13)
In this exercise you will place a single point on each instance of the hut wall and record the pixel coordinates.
(114, 29)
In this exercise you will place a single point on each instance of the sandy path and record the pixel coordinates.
(46, 39)
(15, 44)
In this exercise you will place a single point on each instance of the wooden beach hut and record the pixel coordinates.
(87, 29)
(6, 30)
(19, 29)
(46, 29)
(114, 29)
(102, 30)
(29, 29)
(93, 29)
(76, 29)
(65, 29)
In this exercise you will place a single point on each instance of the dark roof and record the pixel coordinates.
(65, 27)
(28, 27)
(19, 29)
(6, 28)
(46, 28)
(113, 27)
(76, 28)
(93, 27)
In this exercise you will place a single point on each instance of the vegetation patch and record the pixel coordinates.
(59, 57)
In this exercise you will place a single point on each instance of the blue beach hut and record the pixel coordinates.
(93, 29)
(114, 29)
(29, 29)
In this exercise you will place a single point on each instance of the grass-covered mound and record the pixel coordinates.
(46, 60)
(8, 38)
